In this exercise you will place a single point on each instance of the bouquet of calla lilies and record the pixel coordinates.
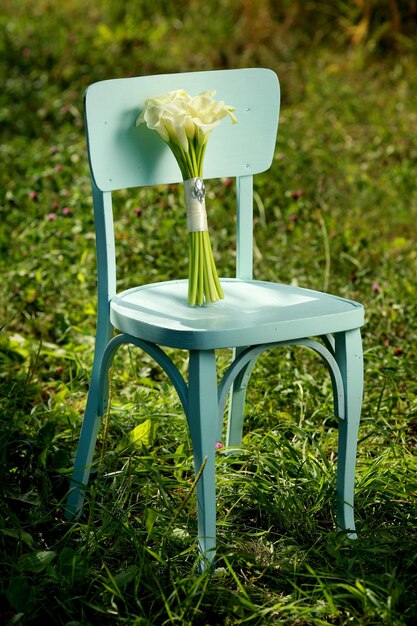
(184, 123)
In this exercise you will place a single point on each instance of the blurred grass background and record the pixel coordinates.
(337, 211)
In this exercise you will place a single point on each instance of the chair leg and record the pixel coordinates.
(235, 417)
(237, 404)
(84, 455)
(350, 360)
(202, 421)
(90, 426)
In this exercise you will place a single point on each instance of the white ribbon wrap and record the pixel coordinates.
(195, 203)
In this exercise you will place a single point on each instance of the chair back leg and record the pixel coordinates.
(90, 424)
(350, 360)
(237, 403)
(84, 455)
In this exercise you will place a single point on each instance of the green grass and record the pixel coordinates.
(337, 211)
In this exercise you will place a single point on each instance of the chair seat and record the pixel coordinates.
(252, 312)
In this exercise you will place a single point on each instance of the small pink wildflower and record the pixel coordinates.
(51, 217)
(293, 217)
(219, 445)
(66, 211)
(376, 288)
(297, 194)
(33, 195)
(137, 212)
(58, 167)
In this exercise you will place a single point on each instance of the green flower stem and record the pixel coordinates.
(192, 269)
(217, 286)
(200, 267)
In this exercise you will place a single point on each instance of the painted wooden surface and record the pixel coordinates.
(252, 312)
(122, 155)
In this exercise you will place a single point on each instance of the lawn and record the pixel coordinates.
(337, 211)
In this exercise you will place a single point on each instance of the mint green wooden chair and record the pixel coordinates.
(253, 317)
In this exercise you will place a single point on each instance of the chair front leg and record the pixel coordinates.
(350, 360)
(202, 419)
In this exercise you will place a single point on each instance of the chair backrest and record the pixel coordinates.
(123, 155)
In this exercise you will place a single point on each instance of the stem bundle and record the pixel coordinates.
(203, 281)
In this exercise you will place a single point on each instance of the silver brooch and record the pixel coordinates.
(198, 191)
